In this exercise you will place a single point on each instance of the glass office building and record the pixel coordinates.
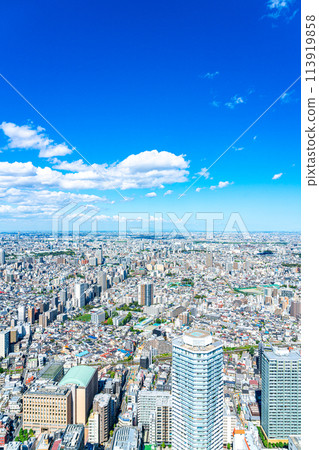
(281, 394)
(197, 392)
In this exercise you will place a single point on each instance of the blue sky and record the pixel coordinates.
(150, 94)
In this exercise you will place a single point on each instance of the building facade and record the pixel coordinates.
(94, 428)
(79, 295)
(281, 394)
(160, 429)
(98, 316)
(146, 294)
(4, 343)
(197, 391)
(47, 409)
(102, 407)
(83, 382)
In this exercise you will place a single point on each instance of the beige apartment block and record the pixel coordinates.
(47, 409)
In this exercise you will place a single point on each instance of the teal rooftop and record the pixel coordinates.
(79, 375)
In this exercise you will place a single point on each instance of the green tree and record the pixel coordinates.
(252, 351)
(109, 321)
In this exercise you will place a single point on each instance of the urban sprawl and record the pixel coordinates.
(130, 343)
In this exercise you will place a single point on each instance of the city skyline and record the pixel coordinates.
(173, 343)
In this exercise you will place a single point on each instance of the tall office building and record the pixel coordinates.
(295, 308)
(281, 394)
(31, 315)
(197, 391)
(13, 338)
(102, 407)
(43, 320)
(4, 343)
(146, 294)
(63, 295)
(262, 347)
(160, 429)
(209, 260)
(83, 381)
(21, 313)
(147, 405)
(47, 408)
(44, 307)
(101, 280)
(2, 257)
(79, 295)
(99, 256)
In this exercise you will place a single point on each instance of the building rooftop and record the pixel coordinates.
(79, 375)
(46, 390)
(51, 370)
(102, 399)
(281, 355)
(197, 340)
(126, 438)
(72, 435)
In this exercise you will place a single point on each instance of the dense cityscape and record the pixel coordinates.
(132, 342)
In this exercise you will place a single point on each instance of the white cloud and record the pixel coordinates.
(169, 192)
(277, 176)
(198, 189)
(287, 97)
(235, 100)
(151, 194)
(203, 173)
(210, 75)
(75, 166)
(151, 160)
(27, 138)
(17, 169)
(281, 8)
(149, 169)
(215, 103)
(221, 185)
(238, 149)
(24, 203)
